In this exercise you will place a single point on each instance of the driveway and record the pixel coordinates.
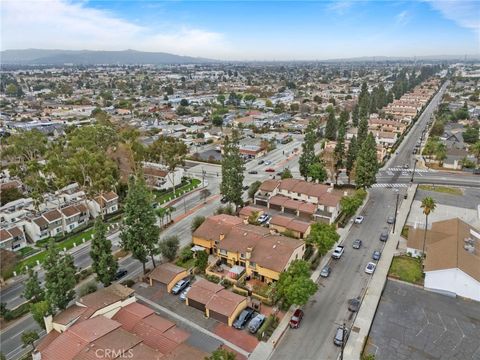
(412, 323)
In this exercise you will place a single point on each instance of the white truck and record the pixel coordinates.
(338, 252)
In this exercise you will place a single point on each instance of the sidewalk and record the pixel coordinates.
(364, 318)
(191, 324)
(264, 350)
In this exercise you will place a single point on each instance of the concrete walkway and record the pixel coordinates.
(191, 324)
(371, 299)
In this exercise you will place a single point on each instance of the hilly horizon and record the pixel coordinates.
(135, 57)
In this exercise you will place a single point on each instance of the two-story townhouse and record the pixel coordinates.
(16, 210)
(55, 222)
(37, 228)
(263, 255)
(213, 230)
(12, 239)
(74, 216)
(160, 178)
(106, 203)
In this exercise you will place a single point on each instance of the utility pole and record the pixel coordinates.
(414, 167)
(396, 209)
(203, 177)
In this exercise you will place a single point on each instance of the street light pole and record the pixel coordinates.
(396, 209)
(414, 167)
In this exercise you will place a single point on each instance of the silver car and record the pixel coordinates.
(255, 323)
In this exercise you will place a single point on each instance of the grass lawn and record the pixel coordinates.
(405, 231)
(407, 269)
(441, 189)
(27, 250)
(187, 264)
(163, 198)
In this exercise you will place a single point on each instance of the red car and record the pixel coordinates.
(269, 170)
(296, 319)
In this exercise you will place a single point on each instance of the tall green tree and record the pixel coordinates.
(362, 130)
(59, 278)
(367, 165)
(294, 285)
(232, 170)
(139, 231)
(428, 205)
(103, 261)
(339, 150)
(254, 188)
(39, 310)
(32, 290)
(355, 115)
(286, 174)
(323, 237)
(308, 149)
(351, 157)
(331, 126)
(316, 171)
(169, 247)
(474, 149)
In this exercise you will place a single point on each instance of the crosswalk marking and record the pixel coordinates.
(390, 185)
(409, 170)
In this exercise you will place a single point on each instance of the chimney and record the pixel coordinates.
(48, 320)
(248, 254)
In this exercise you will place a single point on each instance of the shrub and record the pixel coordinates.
(196, 222)
(212, 278)
(201, 262)
(87, 288)
(83, 274)
(186, 254)
(308, 252)
(128, 283)
(19, 311)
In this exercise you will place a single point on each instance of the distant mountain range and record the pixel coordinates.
(129, 57)
(90, 57)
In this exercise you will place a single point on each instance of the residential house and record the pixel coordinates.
(106, 203)
(167, 275)
(74, 216)
(111, 324)
(215, 301)
(54, 219)
(159, 178)
(12, 239)
(213, 230)
(452, 262)
(303, 199)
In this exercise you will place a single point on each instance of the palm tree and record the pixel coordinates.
(475, 150)
(428, 205)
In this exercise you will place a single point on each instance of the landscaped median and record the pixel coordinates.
(407, 268)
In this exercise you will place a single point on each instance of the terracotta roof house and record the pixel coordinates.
(452, 262)
(201, 292)
(213, 230)
(167, 275)
(12, 239)
(246, 211)
(134, 332)
(105, 203)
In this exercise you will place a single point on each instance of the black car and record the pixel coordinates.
(253, 172)
(120, 273)
(243, 318)
(261, 162)
(354, 304)
(223, 200)
(246, 187)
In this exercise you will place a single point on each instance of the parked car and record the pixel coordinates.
(370, 268)
(359, 219)
(476, 172)
(120, 273)
(405, 166)
(296, 319)
(263, 218)
(243, 318)
(390, 220)
(183, 295)
(384, 235)
(326, 271)
(267, 162)
(338, 252)
(341, 336)
(269, 170)
(261, 162)
(255, 323)
(246, 187)
(179, 286)
(376, 255)
(357, 244)
(354, 304)
(224, 200)
(253, 172)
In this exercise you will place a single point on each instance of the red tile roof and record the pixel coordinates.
(225, 302)
(216, 225)
(130, 315)
(165, 273)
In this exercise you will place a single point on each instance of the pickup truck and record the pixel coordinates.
(338, 252)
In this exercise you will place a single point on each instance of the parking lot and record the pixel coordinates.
(411, 323)
(241, 338)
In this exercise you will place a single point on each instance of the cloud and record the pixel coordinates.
(465, 13)
(402, 18)
(340, 7)
(72, 25)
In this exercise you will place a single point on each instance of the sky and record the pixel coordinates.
(247, 30)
